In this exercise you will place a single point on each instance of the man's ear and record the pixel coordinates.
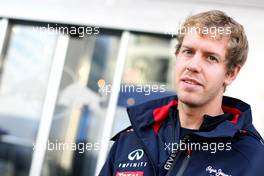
(231, 76)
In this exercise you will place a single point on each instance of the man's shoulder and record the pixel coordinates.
(250, 141)
(123, 133)
(249, 146)
(252, 150)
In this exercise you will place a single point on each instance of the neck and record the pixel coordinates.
(191, 117)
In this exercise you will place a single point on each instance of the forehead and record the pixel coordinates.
(206, 43)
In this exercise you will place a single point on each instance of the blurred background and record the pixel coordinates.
(65, 88)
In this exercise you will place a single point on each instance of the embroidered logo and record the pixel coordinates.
(134, 158)
(136, 155)
(135, 173)
(216, 172)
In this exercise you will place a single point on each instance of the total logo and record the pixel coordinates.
(136, 173)
(136, 156)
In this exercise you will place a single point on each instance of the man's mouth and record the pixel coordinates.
(191, 81)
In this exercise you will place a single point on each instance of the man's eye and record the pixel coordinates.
(212, 59)
(187, 51)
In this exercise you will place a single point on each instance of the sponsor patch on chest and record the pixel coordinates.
(134, 173)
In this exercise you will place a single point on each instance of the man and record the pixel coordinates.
(199, 131)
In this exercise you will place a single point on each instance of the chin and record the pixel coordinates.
(190, 103)
(189, 100)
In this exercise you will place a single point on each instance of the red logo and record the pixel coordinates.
(136, 173)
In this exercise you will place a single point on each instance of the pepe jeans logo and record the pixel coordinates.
(136, 155)
(215, 172)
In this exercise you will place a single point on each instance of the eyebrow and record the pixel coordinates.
(206, 52)
(187, 47)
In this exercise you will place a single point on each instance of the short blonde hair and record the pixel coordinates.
(237, 49)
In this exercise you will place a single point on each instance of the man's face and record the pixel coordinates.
(200, 70)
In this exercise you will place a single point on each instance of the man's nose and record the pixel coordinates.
(194, 64)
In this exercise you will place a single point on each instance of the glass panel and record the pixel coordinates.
(74, 141)
(24, 80)
(147, 75)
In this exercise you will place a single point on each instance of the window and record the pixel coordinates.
(24, 78)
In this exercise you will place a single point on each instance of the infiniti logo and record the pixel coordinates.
(136, 154)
